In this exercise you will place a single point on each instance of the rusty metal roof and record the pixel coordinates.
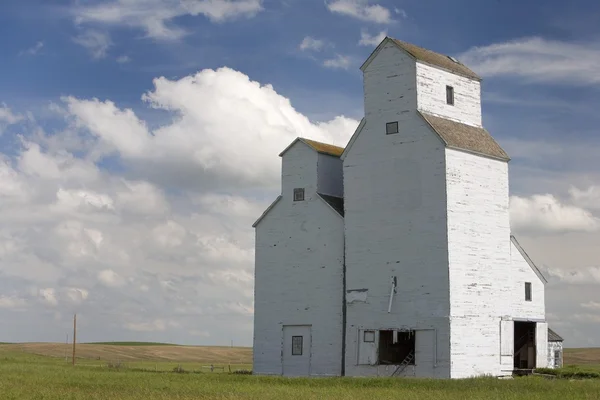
(436, 59)
(324, 148)
(553, 336)
(465, 137)
(319, 147)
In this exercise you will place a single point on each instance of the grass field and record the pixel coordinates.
(25, 375)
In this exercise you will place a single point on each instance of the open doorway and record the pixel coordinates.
(396, 347)
(525, 351)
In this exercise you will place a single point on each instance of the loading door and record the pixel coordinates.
(296, 350)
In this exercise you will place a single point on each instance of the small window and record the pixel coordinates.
(299, 194)
(369, 337)
(296, 345)
(527, 291)
(391, 128)
(450, 95)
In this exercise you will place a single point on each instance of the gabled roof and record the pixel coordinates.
(427, 56)
(465, 137)
(337, 203)
(553, 336)
(535, 269)
(319, 147)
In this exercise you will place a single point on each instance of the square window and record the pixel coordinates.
(299, 194)
(391, 128)
(369, 337)
(296, 345)
(527, 291)
(450, 95)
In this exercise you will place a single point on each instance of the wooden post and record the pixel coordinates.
(74, 335)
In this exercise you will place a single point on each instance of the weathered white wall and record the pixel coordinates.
(541, 344)
(330, 179)
(479, 258)
(521, 273)
(299, 169)
(298, 272)
(431, 95)
(389, 84)
(552, 347)
(395, 220)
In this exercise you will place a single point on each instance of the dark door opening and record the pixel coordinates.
(525, 351)
(395, 352)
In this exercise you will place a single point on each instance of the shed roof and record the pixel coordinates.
(436, 59)
(465, 137)
(337, 203)
(553, 336)
(319, 147)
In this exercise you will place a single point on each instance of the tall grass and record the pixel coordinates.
(35, 377)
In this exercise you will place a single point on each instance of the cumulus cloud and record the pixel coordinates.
(123, 59)
(95, 42)
(579, 276)
(7, 116)
(588, 198)
(363, 10)
(366, 39)
(144, 230)
(537, 59)
(156, 17)
(545, 213)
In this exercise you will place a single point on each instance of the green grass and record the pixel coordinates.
(26, 376)
(133, 343)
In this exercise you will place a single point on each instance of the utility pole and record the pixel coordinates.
(66, 348)
(74, 335)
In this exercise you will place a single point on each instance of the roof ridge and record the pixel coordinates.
(436, 59)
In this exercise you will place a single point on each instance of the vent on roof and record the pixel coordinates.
(453, 59)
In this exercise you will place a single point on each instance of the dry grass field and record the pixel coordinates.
(130, 352)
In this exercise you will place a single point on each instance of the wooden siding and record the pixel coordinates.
(479, 260)
(298, 270)
(298, 281)
(521, 272)
(431, 95)
(389, 84)
(395, 221)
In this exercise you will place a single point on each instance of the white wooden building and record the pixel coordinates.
(394, 255)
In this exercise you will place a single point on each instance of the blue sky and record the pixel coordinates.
(124, 187)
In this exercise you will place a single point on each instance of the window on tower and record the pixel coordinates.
(391, 128)
(450, 95)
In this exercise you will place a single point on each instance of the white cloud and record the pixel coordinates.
(362, 10)
(537, 60)
(110, 278)
(7, 116)
(123, 59)
(156, 17)
(366, 39)
(309, 43)
(593, 305)
(545, 213)
(208, 137)
(338, 62)
(32, 51)
(579, 276)
(157, 325)
(48, 296)
(12, 302)
(109, 218)
(96, 42)
(588, 198)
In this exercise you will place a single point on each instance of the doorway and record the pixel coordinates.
(524, 342)
(296, 350)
